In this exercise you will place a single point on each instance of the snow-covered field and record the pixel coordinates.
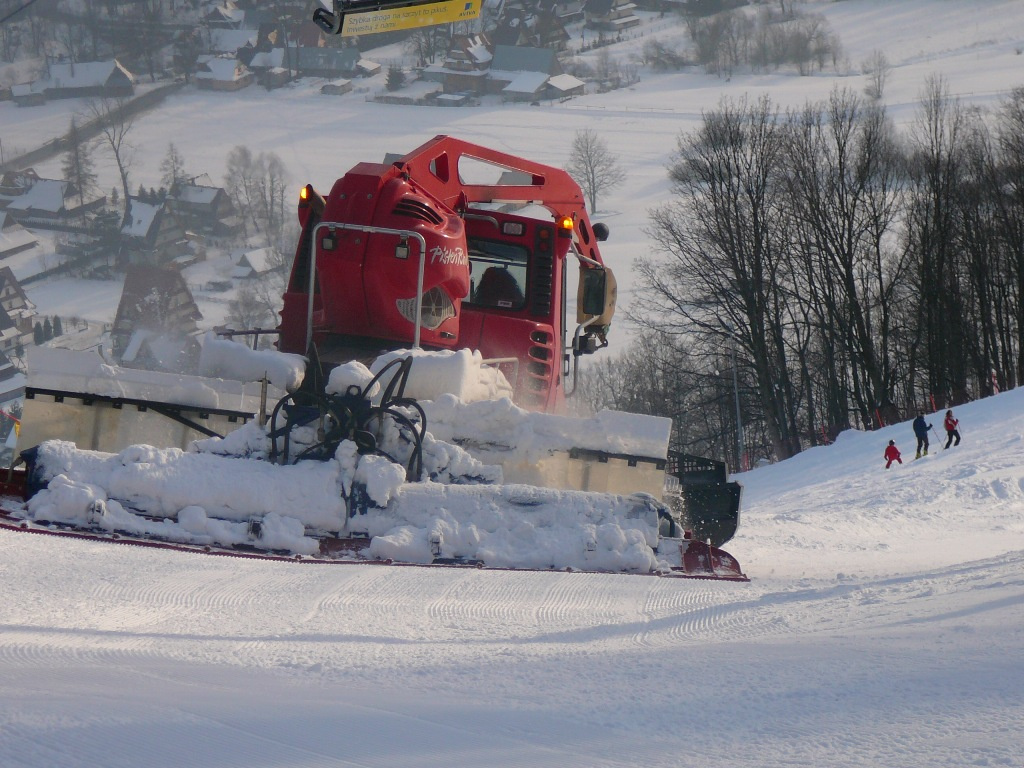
(884, 624)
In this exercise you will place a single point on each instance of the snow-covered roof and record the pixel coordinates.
(197, 195)
(85, 75)
(219, 68)
(143, 215)
(526, 82)
(256, 261)
(26, 89)
(565, 82)
(44, 195)
(478, 51)
(13, 236)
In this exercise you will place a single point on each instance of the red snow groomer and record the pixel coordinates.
(453, 254)
(483, 263)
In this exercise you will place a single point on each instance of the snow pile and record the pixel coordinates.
(229, 359)
(204, 498)
(461, 373)
(88, 373)
(500, 426)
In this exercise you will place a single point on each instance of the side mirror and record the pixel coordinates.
(327, 21)
(600, 231)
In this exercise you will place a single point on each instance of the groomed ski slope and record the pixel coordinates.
(884, 626)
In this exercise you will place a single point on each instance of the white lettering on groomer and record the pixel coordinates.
(439, 255)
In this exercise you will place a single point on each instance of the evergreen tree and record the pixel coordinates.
(37, 333)
(58, 327)
(47, 329)
(396, 78)
(78, 165)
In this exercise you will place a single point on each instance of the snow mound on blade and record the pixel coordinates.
(461, 373)
(87, 373)
(161, 481)
(229, 359)
(203, 498)
(503, 426)
(518, 526)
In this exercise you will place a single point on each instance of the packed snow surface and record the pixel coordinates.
(883, 626)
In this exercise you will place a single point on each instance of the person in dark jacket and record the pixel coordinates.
(952, 432)
(921, 428)
(892, 453)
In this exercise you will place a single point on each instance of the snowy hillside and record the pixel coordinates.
(882, 627)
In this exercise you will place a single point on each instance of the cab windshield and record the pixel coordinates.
(497, 274)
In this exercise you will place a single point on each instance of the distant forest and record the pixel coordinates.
(819, 270)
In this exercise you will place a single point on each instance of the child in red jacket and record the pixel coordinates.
(952, 432)
(892, 453)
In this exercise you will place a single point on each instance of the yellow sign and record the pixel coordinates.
(444, 12)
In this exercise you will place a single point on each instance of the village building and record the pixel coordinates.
(12, 384)
(102, 79)
(14, 238)
(204, 210)
(52, 202)
(521, 74)
(217, 73)
(227, 15)
(613, 16)
(152, 235)
(565, 86)
(17, 308)
(328, 62)
(15, 183)
(156, 325)
(230, 42)
(464, 70)
(253, 262)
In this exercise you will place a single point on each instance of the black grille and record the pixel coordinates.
(417, 209)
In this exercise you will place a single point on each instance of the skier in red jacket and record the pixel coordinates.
(952, 432)
(892, 453)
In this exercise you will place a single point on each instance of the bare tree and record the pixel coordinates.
(172, 168)
(115, 122)
(247, 310)
(937, 174)
(845, 189)
(593, 166)
(724, 276)
(257, 186)
(877, 69)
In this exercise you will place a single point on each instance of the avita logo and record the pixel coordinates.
(439, 255)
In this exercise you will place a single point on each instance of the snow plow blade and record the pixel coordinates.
(504, 527)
